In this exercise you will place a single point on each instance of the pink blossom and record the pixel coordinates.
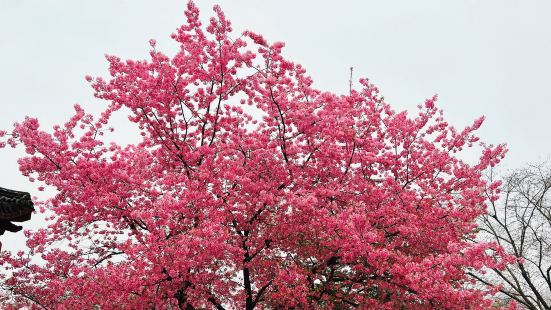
(304, 199)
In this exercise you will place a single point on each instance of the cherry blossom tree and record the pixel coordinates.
(249, 189)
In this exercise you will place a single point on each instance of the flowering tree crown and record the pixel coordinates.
(249, 189)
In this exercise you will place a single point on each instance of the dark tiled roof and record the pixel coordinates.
(15, 206)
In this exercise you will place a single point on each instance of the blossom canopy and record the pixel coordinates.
(250, 188)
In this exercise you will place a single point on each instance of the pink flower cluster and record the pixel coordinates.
(250, 189)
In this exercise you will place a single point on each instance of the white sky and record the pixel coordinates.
(483, 57)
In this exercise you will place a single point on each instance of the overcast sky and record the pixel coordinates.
(481, 57)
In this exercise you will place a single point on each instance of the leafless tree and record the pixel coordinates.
(521, 223)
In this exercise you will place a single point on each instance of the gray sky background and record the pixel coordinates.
(483, 57)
